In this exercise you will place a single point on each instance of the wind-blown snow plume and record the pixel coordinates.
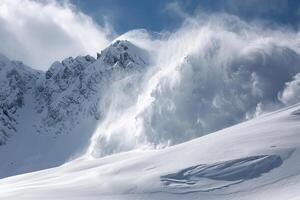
(211, 73)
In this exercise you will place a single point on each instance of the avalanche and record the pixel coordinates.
(148, 118)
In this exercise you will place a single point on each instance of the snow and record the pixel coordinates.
(257, 159)
(48, 118)
(203, 77)
(107, 119)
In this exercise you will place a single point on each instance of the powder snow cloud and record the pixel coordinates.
(213, 72)
(40, 32)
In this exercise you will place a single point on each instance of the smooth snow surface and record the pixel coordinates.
(258, 160)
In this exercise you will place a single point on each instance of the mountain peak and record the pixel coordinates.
(123, 53)
(59, 105)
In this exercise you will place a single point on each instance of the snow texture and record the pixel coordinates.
(257, 159)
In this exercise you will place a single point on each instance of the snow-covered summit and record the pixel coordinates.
(122, 53)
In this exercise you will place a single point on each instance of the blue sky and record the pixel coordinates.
(158, 15)
(131, 14)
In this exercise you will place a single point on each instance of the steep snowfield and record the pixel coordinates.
(257, 159)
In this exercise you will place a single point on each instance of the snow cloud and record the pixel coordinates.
(40, 32)
(213, 72)
(291, 93)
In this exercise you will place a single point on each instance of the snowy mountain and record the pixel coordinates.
(133, 97)
(257, 159)
(47, 117)
(117, 126)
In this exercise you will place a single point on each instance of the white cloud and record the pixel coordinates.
(40, 32)
(291, 93)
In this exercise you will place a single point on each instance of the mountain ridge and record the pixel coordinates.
(64, 98)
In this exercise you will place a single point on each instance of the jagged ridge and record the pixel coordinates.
(61, 100)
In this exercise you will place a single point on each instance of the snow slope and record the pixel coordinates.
(257, 159)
